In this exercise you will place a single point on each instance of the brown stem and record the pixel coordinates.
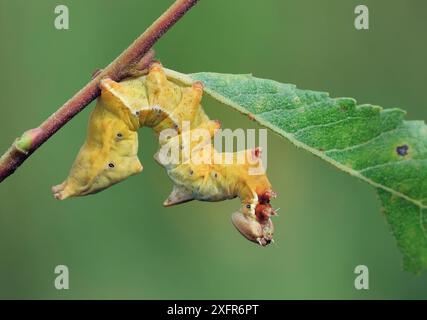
(136, 57)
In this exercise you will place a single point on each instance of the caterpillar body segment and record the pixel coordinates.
(217, 182)
(175, 114)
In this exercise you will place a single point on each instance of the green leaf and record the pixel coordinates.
(373, 144)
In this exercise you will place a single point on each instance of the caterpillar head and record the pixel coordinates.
(252, 229)
(256, 227)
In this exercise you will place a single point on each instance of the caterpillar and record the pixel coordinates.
(174, 112)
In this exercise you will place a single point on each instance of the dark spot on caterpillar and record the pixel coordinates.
(402, 150)
(191, 172)
(111, 165)
(216, 175)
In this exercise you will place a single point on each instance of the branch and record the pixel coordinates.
(136, 57)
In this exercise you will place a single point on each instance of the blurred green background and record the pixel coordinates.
(121, 243)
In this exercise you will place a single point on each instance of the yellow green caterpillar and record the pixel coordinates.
(173, 111)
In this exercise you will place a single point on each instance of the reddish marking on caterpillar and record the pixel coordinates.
(263, 211)
(267, 196)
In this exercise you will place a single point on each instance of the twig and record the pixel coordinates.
(136, 57)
